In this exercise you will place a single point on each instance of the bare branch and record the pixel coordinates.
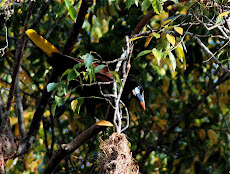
(77, 27)
(18, 55)
(66, 149)
(19, 109)
(208, 52)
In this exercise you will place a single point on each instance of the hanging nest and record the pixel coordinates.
(115, 156)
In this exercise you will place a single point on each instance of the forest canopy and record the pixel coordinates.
(155, 70)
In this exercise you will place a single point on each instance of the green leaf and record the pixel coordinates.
(61, 10)
(58, 100)
(72, 75)
(144, 53)
(73, 13)
(88, 59)
(80, 102)
(68, 3)
(145, 5)
(172, 60)
(129, 3)
(99, 68)
(66, 72)
(78, 66)
(157, 6)
(156, 35)
(53, 108)
(175, 1)
(51, 86)
(219, 19)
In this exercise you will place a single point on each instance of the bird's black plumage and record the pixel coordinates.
(62, 62)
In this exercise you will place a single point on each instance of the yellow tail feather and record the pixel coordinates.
(42, 43)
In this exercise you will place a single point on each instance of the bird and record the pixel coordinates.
(62, 62)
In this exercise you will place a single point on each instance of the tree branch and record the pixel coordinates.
(66, 149)
(77, 27)
(18, 55)
(19, 109)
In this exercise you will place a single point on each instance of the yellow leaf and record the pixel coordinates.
(180, 52)
(148, 39)
(212, 136)
(42, 43)
(178, 30)
(163, 123)
(171, 39)
(157, 53)
(104, 123)
(163, 110)
(156, 35)
(225, 13)
(74, 104)
(166, 22)
(13, 121)
(202, 134)
(135, 38)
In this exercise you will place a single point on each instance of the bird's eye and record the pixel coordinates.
(140, 89)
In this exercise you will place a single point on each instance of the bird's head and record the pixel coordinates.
(139, 93)
(133, 88)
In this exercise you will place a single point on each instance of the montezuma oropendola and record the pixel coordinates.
(63, 62)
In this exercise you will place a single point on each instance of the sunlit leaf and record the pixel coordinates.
(72, 12)
(179, 52)
(172, 60)
(157, 54)
(136, 38)
(51, 86)
(74, 104)
(104, 123)
(178, 30)
(218, 19)
(224, 13)
(157, 6)
(145, 5)
(171, 39)
(156, 35)
(58, 100)
(166, 22)
(88, 59)
(68, 3)
(175, 1)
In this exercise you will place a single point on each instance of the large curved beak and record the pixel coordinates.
(142, 100)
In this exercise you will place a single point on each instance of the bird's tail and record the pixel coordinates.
(42, 43)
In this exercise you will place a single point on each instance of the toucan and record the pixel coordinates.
(62, 62)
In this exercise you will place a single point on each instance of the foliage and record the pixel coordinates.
(181, 61)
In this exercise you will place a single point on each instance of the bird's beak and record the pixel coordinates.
(141, 99)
